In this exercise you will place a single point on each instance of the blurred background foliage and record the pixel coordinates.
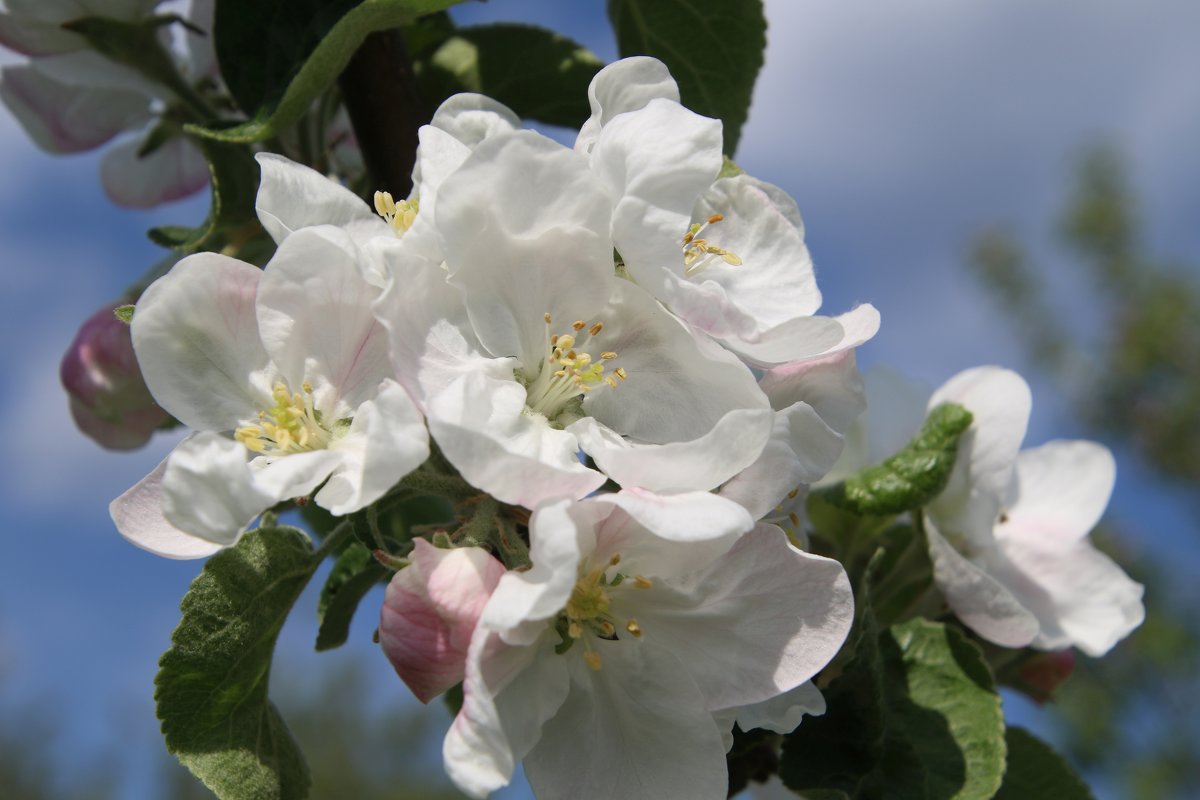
(1132, 719)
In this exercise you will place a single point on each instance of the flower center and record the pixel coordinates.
(567, 371)
(587, 613)
(699, 253)
(292, 425)
(399, 215)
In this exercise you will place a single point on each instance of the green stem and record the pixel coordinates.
(333, 542)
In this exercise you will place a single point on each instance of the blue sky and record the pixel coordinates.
(900, 128)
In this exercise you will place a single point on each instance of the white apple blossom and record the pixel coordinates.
(1008, 534)
(611, 666)
(283, 374)
(726, 254)
(70, 98)
(528, 347)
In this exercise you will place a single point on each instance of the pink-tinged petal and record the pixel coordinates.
(481, 425)
(678, 385)
(655, 163)
(801, 449)
(984, 603)
(89, 70)
(665, 535)
(315, 320)
(138, 516)
(67, 119)
(803, 338)
(386, 441)
(561, 535)
(1079, 595)
(508, 694)
(730, 446)
(760, 621)
(34, 37)
(830, 384)
(979, 486)
(430, 611)
(196, 337)
(520, 208)
(173, 171)
(635, 728)
(209, 491)
(292, 196)
(623, 86)
(1062, 488)
(783, 713)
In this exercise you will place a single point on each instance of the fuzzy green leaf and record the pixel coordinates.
(714, 48)
(308, 44)
(212, 683)
(1036, 772)
(910, 478)
(354, 574)
(536, 72)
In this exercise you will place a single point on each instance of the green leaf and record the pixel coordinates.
(307, 45)
(714, 48)
(910, 478)
(915, 717)
(537, 73)
(1036, 772)
(354, 574)
(212, 683)
(234, 179)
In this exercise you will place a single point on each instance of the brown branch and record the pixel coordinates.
(385, 108)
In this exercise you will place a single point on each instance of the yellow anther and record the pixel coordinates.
(633, 627)
(554, 338)
(384, 204)
(307, 387)
(547, 317)
(642, 583)
(578, 325)
(400, 216)
(792, 494)
(795, 518)
(611, 381)
(715, 218)
(608, 355)
(620, 373)
(616, 559)
(607, 629)
(595, 329)
(732, 259)
(592, 658)
(574, 630)
(565, 342)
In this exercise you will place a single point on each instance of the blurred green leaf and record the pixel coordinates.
(910, 478)
(536, 72)
(354, 574)
(714, 48)
(212, 683)
(1036, 772)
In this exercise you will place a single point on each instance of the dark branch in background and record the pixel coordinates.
(381, 97)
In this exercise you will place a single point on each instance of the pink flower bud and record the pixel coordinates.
(430, 611)
(1042, 674)
(109, 400)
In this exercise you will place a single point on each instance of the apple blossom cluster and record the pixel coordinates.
(609, 358)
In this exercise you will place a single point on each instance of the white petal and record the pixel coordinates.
(803, 338)
(386, 441)
(801, 449)
(34, 37)
(782, 713)
(472, 118)
(481, 425)
(209, 491)
(762, 620)
(314, 316)
(831, 384)
(982, 477)
(196, 339)
(292, 196)
(173, 171)
(679, 385)
(733, 444)
(508, 694)
(622, 86)
(66, 119)
(139, 518)
(523, 225)
(981, 601)
(635, 728)
(1079, 595)
(90, 70)
(667, 535)
(655, 163)
(1062, 487)
(295, 474)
